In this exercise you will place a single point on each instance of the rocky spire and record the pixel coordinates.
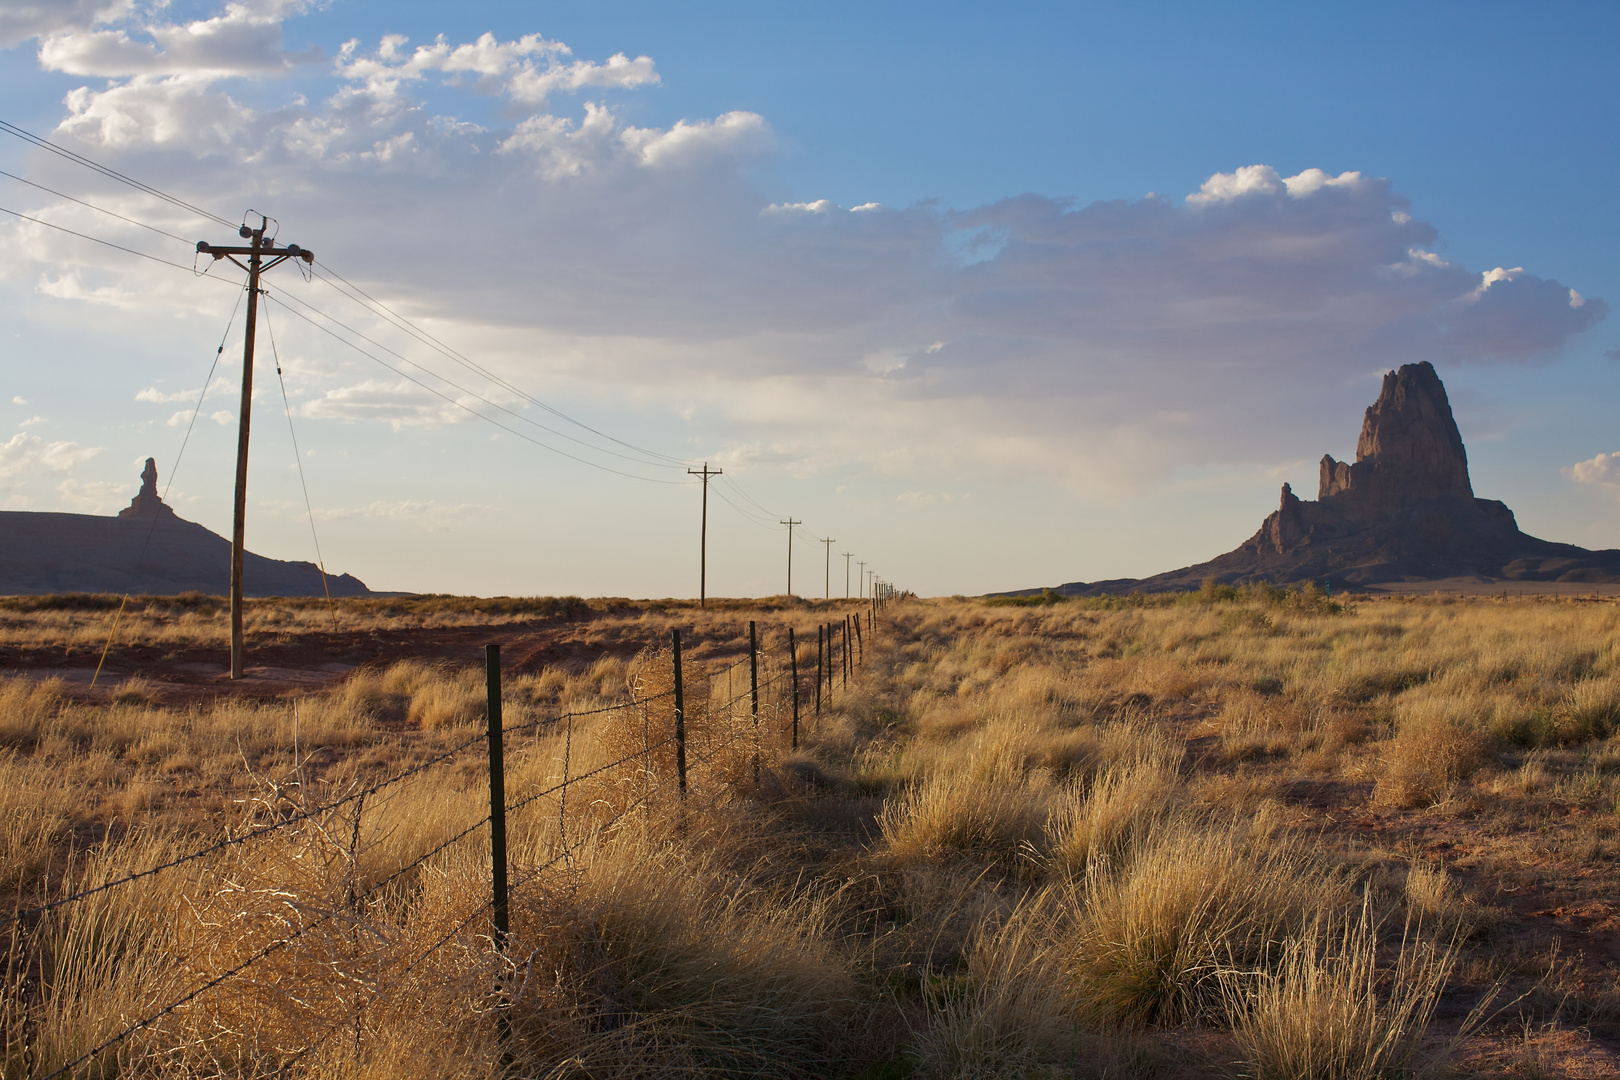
(1409, 449)
(146, 503)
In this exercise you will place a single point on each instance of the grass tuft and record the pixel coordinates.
(1327, 1009)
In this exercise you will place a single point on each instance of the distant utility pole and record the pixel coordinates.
(790, 523)
(863, 577)
(261, 255)
(827, 588)
(703, 533)
(848, 555)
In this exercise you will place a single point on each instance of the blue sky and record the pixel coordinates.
(1017, 368)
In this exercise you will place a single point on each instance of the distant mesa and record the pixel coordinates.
(147, 549)
(1403, 511)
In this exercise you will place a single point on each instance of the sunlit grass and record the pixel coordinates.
(1046, 840)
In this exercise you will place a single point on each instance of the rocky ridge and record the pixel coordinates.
(1403, 511)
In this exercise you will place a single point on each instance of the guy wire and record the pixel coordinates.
(135, 567)
(320, 560)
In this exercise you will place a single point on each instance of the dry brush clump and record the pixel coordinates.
(1330, 1009)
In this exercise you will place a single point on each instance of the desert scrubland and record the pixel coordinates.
(1246, 833)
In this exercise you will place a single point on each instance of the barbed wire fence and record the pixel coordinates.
(711, 745)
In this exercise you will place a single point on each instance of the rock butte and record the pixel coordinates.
(1403, 512)
(147, 549)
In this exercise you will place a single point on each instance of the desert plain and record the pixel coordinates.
(1247, 832)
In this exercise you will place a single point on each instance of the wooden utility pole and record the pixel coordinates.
(827, 588)
(790, 523)
(261, 255)
(703, 533)
(863, 577)
(848, 555)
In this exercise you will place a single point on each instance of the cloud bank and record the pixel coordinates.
(1105, 345)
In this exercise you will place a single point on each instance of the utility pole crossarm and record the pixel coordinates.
(266, 250)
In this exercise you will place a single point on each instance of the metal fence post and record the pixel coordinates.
(860, 642)
(497, 791)
(821, 638)
(680, 717)
(843, 635)
(753, 690)
(497, 819)
(793, 659)
(832, 651)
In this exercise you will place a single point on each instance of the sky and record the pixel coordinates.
(991, 296)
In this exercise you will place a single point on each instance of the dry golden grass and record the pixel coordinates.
(1123, 838)
(1327, 1009)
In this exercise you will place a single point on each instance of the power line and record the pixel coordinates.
(371, 302)
(472, 393)
(744, 514)
(394, 318)
(418, 382)
(426, 338)
(459, 404)
(376, 307)
(492, 404)
(97, 240)
(113, 174)
(767, 511)
(93, 206)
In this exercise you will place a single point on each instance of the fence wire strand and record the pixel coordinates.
(564, 854)
(251, 834)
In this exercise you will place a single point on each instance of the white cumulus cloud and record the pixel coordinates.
(1601, 471)
(243, 39)
(528, 70)
(26, 457)
(22, 21)
(153, 394)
